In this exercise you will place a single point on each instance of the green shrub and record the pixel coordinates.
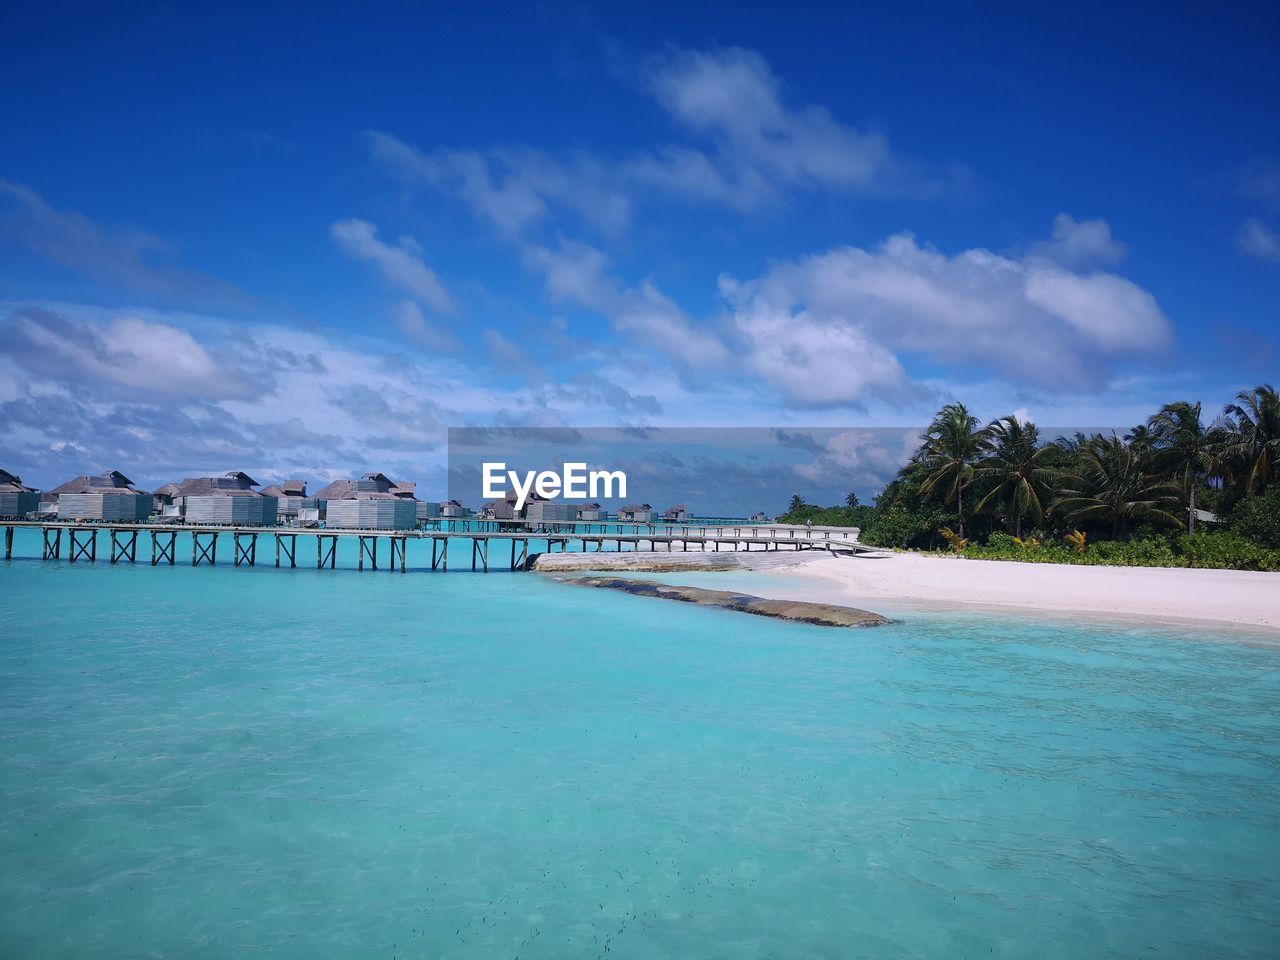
(1258, 517)
(1226, 550)
(1131, 553)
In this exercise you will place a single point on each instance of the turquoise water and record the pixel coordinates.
(221, 762)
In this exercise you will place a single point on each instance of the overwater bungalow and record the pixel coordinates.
(374, 502)
(16, 498)
(506, 509)
(591, 511)
(677, 514)
(164, 502)
(636, 513)
(292, 503)
(453, 509)
(229, 499)
(758, 517)
(548, 511)
(109, 496)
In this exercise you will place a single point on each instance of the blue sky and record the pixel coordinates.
(307, 240)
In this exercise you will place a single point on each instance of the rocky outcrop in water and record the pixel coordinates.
(820, 614)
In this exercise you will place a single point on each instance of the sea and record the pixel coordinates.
(222, 762)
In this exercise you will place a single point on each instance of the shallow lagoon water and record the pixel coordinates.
(214, 762)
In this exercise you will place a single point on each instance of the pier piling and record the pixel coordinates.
(204, 551)
(246, 552)
(326, 553)
(160, 550)
(124, 545)
(83, 548)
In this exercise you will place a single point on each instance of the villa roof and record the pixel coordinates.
(286, 488)
(350, 489)
(216, 486)
(167, 490)
(112, 480)
(12, 483)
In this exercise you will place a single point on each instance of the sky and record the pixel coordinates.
(306, 241)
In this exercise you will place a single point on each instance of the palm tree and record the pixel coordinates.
(851, 500)
(1020, 468)
(1182, 445)
(1250, 446)
(952, 444)
(1111, 485)
(1141, 438)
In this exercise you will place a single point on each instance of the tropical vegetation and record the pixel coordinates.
(1176, 490)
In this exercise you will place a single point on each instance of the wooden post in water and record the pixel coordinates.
(8, 543)
(163, 552)
(206, 552)
(246, 554)
(87, 548)
(124, 548)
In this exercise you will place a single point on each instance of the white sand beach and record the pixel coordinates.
(1174, 594)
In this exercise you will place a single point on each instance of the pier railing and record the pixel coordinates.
(78, 542)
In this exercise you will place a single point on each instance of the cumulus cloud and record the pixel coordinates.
(816, 361)
(124, 352)
(162, 396)
(402, 265)
(834, 329)
(577, 272)
(865, 458)
(1080, 243)
(1027, 320)
(1257, 239)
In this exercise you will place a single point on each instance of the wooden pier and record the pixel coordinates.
(81, 541)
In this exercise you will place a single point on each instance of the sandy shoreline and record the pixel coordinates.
(1168, 595)
(1174, 595)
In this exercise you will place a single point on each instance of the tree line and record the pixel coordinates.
(1003, 477)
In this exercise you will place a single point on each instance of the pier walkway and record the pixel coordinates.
(79, 542)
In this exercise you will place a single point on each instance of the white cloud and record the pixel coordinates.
(1080, 243)
(577, 272)
(1025, 320)
(1257, 239)
(834, 329)
(750, 147)
(125, 352)
(732, 97)
(402, 265)
(818, 362)
(511, 188)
